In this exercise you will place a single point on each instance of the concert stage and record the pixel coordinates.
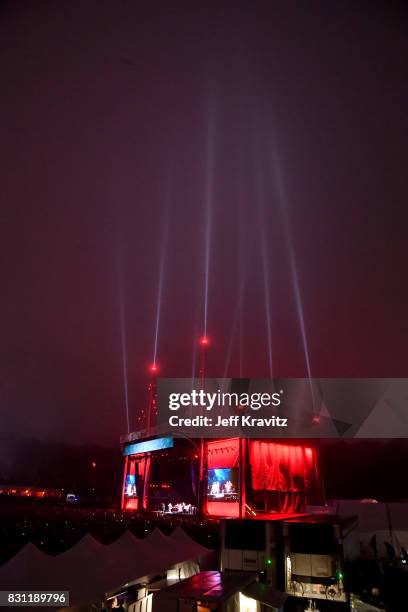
(231, 477)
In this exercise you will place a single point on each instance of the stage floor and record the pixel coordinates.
(272, 516)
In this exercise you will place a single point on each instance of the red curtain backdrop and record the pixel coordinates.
(283, 476)
(146, 480)
(125, 470)
(281, 467)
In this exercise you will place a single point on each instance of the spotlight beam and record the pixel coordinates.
(264, 259)
(283, 207)
(208, 206)
(123, 343)
(241, 280)
(163, 247)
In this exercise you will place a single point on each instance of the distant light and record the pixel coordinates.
(268, 561)
(204, 341)
(316, 419)
(247, 603)
(154, 368)
(93, 464)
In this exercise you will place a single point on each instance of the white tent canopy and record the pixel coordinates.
(89, 569)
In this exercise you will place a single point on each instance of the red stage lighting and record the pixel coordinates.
(316, 419)
(204, 341)
(154, 368)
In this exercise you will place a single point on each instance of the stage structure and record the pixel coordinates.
(147, 417)
(230, 477)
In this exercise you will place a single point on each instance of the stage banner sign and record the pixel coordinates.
(284, 407)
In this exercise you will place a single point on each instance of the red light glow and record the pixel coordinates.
(131, 504)
(230, 509)
(204, 341)
(154, 368)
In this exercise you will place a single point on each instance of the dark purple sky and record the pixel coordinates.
(105, 115)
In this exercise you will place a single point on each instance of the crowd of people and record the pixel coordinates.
(54, 529)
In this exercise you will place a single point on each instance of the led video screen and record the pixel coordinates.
(130, 486)
(223, 484)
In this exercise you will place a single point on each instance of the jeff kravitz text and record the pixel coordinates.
(231, 421)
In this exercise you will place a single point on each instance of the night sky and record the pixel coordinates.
(126, 129)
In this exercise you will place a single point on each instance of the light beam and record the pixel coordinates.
(287, 229)
(162, 258)
(209, 194)
(122, 325)
(264, 259)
